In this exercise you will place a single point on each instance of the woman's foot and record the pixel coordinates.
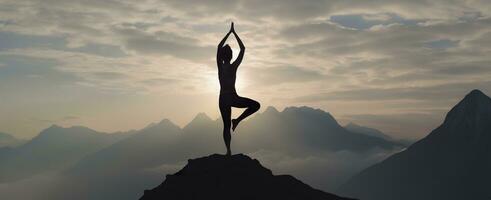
(235, 123)
(229, 153)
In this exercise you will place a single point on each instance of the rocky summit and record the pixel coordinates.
(232, 177)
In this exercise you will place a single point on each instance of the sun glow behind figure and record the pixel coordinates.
(212, 82)
(214, 86)
(241, 82)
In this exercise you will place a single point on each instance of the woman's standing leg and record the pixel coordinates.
(226, 110)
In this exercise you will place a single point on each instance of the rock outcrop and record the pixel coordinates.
(232, 177)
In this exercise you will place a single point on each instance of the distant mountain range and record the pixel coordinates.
(7, 140)
(98, 165)
(53, 149)
(453, 162)
(295, 130)
(306, 127)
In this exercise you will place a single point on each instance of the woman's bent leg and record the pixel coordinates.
(250, 105)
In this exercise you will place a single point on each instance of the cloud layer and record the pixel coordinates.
(377, 58)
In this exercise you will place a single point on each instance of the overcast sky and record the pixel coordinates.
(115, 65)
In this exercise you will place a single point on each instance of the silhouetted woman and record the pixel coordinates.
(228, 96)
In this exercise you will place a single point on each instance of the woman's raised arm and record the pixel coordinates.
(242, 49)
(220, 45)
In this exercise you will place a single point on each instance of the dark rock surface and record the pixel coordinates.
(235, 177)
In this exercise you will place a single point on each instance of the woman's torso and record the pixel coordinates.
(227, 76)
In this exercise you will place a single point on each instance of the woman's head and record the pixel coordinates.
(225, 54)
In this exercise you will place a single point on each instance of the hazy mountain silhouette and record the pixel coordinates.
(7, 140)
(236, 177)
(305, 127)
(355, 128)
(452, 162)
(97, 165)
(53, 149)
(143, 149)
(165, 144)
(120, 170)
(7, 143)
(366, 130)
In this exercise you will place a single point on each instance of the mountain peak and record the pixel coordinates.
(165, 121)
(71, 128)
(312, 114)
(271, 109)
(54, 126)
(476, 92)
(474, 104)
(237, 177)
(7, 140)
(57, 132)
(476, 96)
(200, 121)
(455, 155)
(202, 117)
(5, 136)
(305, 110)
(164, 124)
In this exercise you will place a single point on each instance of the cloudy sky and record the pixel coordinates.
(116, 65)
